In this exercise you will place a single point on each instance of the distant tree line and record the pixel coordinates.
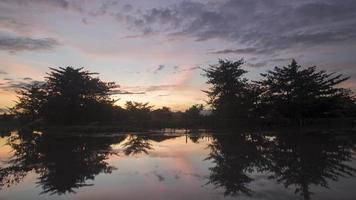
(290, 93)
(73, 96)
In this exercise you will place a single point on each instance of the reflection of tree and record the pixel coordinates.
(62, 164)
(305, 161)
(136, 144)
(299, 161)
(195, 136)
(4, 132)
(234, 157)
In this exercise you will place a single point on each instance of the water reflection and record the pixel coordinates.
(294, 161)
(137, 144)
(235, 156)
(62, 164)
(301, 163)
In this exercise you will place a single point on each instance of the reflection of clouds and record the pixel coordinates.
(178, 174)
(159, 176)
(155, 177)
(173, 175)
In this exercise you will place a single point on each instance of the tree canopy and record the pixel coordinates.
(229, 94)
(68, 95)
(76, 96)
(295, 92)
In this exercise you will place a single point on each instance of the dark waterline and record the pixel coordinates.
(36, 165)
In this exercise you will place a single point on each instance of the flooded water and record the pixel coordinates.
(201, 165)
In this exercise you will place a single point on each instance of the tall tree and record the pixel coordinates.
(295, 92)
(229, 92)
(68, 96)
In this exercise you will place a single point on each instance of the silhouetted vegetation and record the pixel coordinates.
(68, 96)
(285, 95)
(290, 94)
(231, 95)
(296, 93)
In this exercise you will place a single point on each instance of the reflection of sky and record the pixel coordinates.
(5, 151)
(174, 169)
(127, 41)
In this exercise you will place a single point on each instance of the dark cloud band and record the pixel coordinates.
(262, 26)
(14, 44)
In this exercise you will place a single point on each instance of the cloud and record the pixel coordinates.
(281, 59)
(55, 3)
(18, 43)
(104, 8)
(124, 92)
(127, 8)
(13, 85)
(178, 69)
(12, 24)
(150, 88)
(238, 51)
(258, 64)
(163, 95)
(159, 68)
(159, 176)
(3, 72)
(85, 21)
(175, 68)
(153, 88)
(262, 26)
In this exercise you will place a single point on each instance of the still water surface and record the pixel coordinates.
(162, 165)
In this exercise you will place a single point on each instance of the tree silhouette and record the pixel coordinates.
(297, 93)
(230, 95)
(75, 95)
(67, 96)
(288, 94)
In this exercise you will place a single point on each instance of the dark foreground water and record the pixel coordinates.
(37, 165)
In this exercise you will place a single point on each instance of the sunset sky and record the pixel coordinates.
(156, 49)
